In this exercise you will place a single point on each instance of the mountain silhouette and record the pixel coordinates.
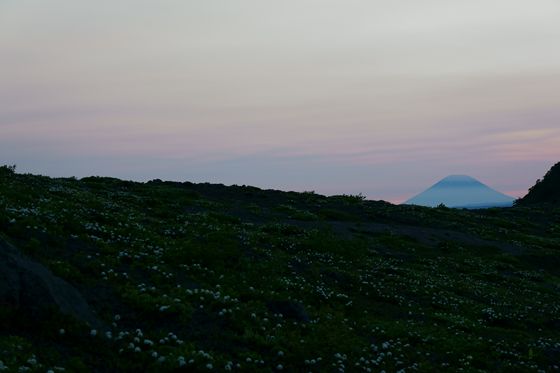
(461, 191)
(546, 190)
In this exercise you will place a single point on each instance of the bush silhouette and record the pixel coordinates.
(6, 170)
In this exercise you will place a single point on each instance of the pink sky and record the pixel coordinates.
(338, 97)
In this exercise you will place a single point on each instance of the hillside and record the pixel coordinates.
(546, 190)
(101, 274)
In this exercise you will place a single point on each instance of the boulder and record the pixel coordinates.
(289, 309)
(29, 286)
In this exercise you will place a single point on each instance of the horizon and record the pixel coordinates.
(338, 97)
(397, 202)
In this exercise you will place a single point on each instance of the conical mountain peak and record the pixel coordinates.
(458, 180)
(461, 191)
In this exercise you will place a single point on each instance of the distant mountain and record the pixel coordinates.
(546, 190)
(461, 191)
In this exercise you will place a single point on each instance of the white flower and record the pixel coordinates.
(61, 331)
(279, 367)
(93, 332)
(181, 361)
(280, 353)
(209, 366)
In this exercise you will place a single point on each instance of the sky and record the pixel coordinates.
(382, 98)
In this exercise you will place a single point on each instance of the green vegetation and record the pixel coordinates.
(202, 277)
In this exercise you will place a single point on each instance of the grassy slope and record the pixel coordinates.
(205, 271)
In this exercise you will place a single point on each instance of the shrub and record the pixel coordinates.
(6, 170)
(349, 198)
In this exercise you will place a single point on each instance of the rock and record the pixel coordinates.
(289, 309)
(29, 286)
(552, 354)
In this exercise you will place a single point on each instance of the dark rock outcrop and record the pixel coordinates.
(28, 286)
(290, 309)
